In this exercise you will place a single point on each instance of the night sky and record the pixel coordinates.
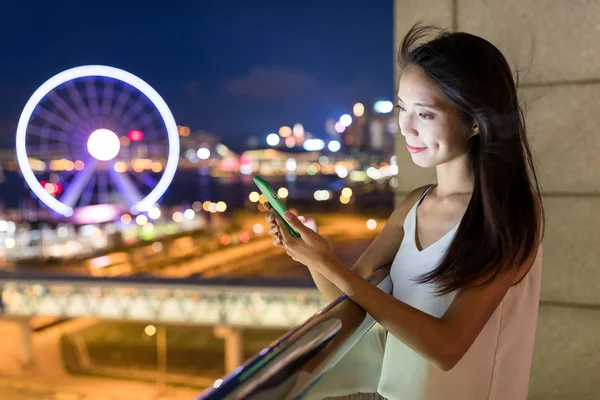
(236, 68)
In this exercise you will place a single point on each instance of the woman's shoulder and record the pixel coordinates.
(407, 202)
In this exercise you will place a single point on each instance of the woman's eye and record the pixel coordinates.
(426, 116)
(400, 107)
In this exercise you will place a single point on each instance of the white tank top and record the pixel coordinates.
(496, 366)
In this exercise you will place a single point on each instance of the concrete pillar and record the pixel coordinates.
(26, 341)
(234, 351)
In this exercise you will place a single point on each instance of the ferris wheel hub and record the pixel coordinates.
(103, 145)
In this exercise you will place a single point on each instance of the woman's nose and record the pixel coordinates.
(406, 126)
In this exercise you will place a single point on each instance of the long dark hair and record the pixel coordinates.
(499, 229)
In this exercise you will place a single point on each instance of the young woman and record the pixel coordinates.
(466, 251)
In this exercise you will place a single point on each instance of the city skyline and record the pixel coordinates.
(254, 68)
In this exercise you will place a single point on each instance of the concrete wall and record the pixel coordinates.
(559, 42)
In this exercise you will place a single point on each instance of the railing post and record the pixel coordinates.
(234, 347)
(26, 341)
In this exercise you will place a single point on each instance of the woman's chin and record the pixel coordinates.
(422, 162)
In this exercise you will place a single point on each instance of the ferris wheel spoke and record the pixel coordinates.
(121, 102)
(49, 133)
(77, 100)
(126, 187)
(60, 103)
(92, 96)
(53, 118)
(73, 192)
(107, 96)
(132, 114)
(86, 197)
(103, 187)
(146, 179)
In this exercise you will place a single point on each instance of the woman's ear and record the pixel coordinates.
(474, 130)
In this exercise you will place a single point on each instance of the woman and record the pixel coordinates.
(466, 251)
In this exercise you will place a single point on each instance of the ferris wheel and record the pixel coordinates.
(97, 135)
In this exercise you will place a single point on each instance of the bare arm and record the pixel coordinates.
(444, 340)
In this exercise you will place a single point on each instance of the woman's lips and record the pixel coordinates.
(413, 149)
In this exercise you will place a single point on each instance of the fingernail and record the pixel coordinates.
(288, 216)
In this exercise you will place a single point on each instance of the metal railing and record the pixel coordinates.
(225, 302)
(295, 365)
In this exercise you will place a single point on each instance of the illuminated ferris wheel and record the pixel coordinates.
(97, 135)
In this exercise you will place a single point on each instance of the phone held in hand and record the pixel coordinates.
(275, 202)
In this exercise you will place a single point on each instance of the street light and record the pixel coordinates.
(273, 139)
(383, 106)
(346, 120)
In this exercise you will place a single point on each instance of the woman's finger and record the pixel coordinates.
(270, 217)
(286, 236)
(273, 229)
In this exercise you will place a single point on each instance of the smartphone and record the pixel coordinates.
(275, 202)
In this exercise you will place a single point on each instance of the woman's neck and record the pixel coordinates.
(454, 178)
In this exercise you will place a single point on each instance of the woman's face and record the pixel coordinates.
(430, 123)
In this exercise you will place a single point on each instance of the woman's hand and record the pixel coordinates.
(311, 249)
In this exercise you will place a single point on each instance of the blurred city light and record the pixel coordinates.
(253, 196)
(221, 206)
(125, 219)
(290, 164)
(177, 216)
(156, 167)
(322, 195)
(358, 109)
(285, 131)
(154, 213)
(313, 144)
(197, 206)
(120, 166)
(347, 192)
(258, 229)
(141, 219)
(203, 153)
(189, 214)
(334, 146)
(344, 199)
(9, 243)
(212, 208)
(157, 247)
(150, 330)
(282, 193)
(222, 150)
(290, 142)
(298, 130)
(341, 171)
(135, 135)
(383, 106)
(346, 120)
(273, 139)
(148, 227)
(339, 128)
(206, 205)
(371, 224)
(244, 237)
